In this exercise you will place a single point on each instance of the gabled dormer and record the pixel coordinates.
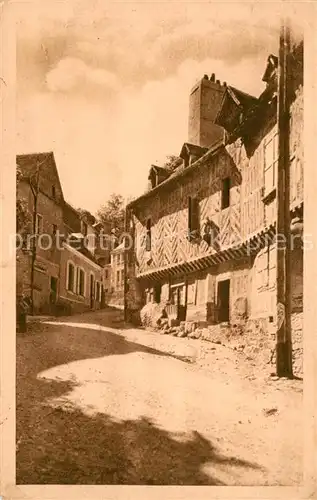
(191, 153)
(234, 108)
(157, 175)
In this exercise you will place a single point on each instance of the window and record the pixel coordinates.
(118, 278)
(122, 276)
(148, 243)
(53, 192)
(118, 260)
(106, 274)
(54, 230)
(270, 162)
(225, 193)
(81, 282)
(193, 218)
(97, 290)
(38, 224)
(70, 277)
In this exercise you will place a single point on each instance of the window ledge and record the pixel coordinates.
(269, 196)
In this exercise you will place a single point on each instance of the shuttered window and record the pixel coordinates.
(193, 218)
(148, 242)
(81, 282)
(70, 277)
(270, 162)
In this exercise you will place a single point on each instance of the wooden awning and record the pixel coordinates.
(248, 248)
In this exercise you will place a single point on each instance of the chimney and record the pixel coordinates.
(204, 103)
(224, 84)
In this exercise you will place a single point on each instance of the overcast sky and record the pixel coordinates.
(106, 86)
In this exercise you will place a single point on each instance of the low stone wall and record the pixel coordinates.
(297, 343)
(254, 337)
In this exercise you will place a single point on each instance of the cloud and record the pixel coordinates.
(106, 85)
(71, 73)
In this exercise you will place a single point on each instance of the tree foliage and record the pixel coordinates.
(111, 214)
(86, 215)
(23, 215)
(172, 162)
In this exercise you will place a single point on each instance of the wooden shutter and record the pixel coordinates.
(193, 218)
(195, 214)
(148, 242)
(189, 214)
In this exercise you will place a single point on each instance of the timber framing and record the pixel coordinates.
(248, 248)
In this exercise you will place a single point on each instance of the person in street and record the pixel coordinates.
(23, 306)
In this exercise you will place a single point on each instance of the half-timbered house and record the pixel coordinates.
(203, 235)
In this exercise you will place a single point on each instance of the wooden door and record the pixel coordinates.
(223, 301)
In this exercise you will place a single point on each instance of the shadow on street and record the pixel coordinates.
(65, 446)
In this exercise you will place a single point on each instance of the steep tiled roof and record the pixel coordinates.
(44, 162)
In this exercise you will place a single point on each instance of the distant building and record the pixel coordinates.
(114, 277)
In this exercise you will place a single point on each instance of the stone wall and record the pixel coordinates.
(72, 301)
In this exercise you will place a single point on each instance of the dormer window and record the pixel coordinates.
(191, 153)
(156, 176)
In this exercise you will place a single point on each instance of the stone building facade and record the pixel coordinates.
(59, 236)
(204, 237)
(40, 187)
(80, 282)
(114, 277)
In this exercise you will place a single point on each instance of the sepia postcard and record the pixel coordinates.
(158, 249)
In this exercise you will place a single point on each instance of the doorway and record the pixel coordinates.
(53, 290)
(177, 306)
(223, 301)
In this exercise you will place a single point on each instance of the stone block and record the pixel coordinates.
(205, 334)
(195, 334)
(173, 322)
(240, 308)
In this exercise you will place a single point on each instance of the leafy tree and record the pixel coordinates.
(85, 214)
(23, 215)
(112, 213)
(172, 162)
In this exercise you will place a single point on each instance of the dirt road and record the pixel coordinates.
(97, 405)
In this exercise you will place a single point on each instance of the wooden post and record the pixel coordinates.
(283, 334)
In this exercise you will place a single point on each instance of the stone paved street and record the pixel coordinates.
(101, 404)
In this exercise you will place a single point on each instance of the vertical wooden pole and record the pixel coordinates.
(283, 334)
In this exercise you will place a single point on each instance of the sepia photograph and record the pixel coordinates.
(160, 244)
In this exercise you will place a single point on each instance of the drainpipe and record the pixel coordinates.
(283, 333)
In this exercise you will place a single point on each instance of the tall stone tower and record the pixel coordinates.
(204, 103)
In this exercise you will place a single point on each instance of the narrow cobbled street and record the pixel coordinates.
(98, 403)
